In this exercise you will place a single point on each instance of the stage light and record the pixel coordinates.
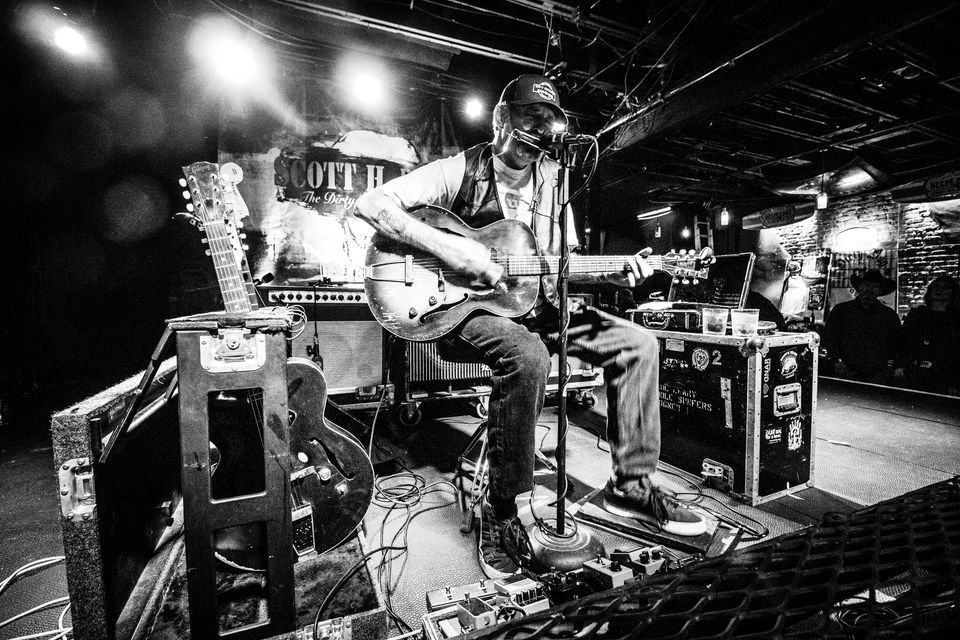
(230, 56)
(822, 200)
(54, 28)
(685, 232)
(70, 40)
(365, 81)
(653, 213)
(724, 217)
(473, 108)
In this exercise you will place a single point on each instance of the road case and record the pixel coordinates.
(741, 410)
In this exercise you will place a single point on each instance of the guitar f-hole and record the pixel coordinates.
(443, 307)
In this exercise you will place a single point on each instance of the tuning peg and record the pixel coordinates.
(190, 207)
(686, 281)
(676, 280)
(203, 240)
(207, 252)
(182, 182)
(242, 236)
(245, 247)
(696, 281)
(185, 194)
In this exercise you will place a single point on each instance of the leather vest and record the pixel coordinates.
(476, 203)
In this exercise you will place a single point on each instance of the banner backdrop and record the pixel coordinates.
(300, 190)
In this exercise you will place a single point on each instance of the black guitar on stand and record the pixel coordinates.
(331, 473)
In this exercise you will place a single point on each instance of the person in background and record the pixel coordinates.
(862, 336)
(931, 339)
(795, 297)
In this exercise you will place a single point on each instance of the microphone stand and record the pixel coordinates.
(559, 549)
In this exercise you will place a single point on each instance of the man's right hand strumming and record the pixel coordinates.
(473, 259)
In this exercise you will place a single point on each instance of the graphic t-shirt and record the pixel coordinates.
(515, 191)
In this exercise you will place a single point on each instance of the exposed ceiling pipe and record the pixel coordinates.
(686, 85)
(572, 14)
(408, 32)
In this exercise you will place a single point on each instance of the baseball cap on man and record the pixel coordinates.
(531, 89)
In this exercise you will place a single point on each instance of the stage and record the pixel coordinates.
(871, 445)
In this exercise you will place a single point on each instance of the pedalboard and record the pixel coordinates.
(458, 610)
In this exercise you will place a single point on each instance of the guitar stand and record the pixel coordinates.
(246, 353)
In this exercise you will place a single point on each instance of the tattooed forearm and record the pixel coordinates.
(391, 222)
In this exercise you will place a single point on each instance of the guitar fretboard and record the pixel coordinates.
(540, 265)
(233, 288)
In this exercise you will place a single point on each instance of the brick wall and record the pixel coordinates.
(922, 251)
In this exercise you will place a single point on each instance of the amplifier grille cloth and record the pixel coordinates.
(352, 352)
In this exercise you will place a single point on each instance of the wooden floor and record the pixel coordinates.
(871, 445)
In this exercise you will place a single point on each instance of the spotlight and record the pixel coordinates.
(685, 232)
(724, 217)
(473, 108)
(70, 40)
(365, 81)
(233, 57)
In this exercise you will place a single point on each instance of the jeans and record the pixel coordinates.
(519, 357)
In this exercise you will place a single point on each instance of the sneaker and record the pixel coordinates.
(498, 543)
(648, 503)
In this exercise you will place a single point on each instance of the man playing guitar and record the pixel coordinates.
(512, 179)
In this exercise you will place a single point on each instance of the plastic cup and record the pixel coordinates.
(714, 320)
(744, 322)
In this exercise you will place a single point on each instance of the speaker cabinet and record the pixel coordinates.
(341, 333)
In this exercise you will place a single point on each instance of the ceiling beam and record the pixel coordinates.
(825, 38)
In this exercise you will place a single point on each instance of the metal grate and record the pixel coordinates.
(890, 570)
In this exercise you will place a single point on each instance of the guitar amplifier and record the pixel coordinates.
(341, 335)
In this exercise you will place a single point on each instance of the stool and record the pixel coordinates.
(478, 487)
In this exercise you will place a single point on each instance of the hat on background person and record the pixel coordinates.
(887, 285)
(793, 267)
(532, 89)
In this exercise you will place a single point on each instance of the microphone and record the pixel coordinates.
(553, 139)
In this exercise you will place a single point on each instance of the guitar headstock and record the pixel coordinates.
(213, 198)
(216, 206)
(688, 265)
(203, 190)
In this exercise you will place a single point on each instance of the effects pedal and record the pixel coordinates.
(522, 593)
(438, 599)
(645, 561)
(564, 586)
(609, 574)
(333, 629)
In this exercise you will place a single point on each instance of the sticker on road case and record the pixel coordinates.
(700, 359)
(795, 433)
